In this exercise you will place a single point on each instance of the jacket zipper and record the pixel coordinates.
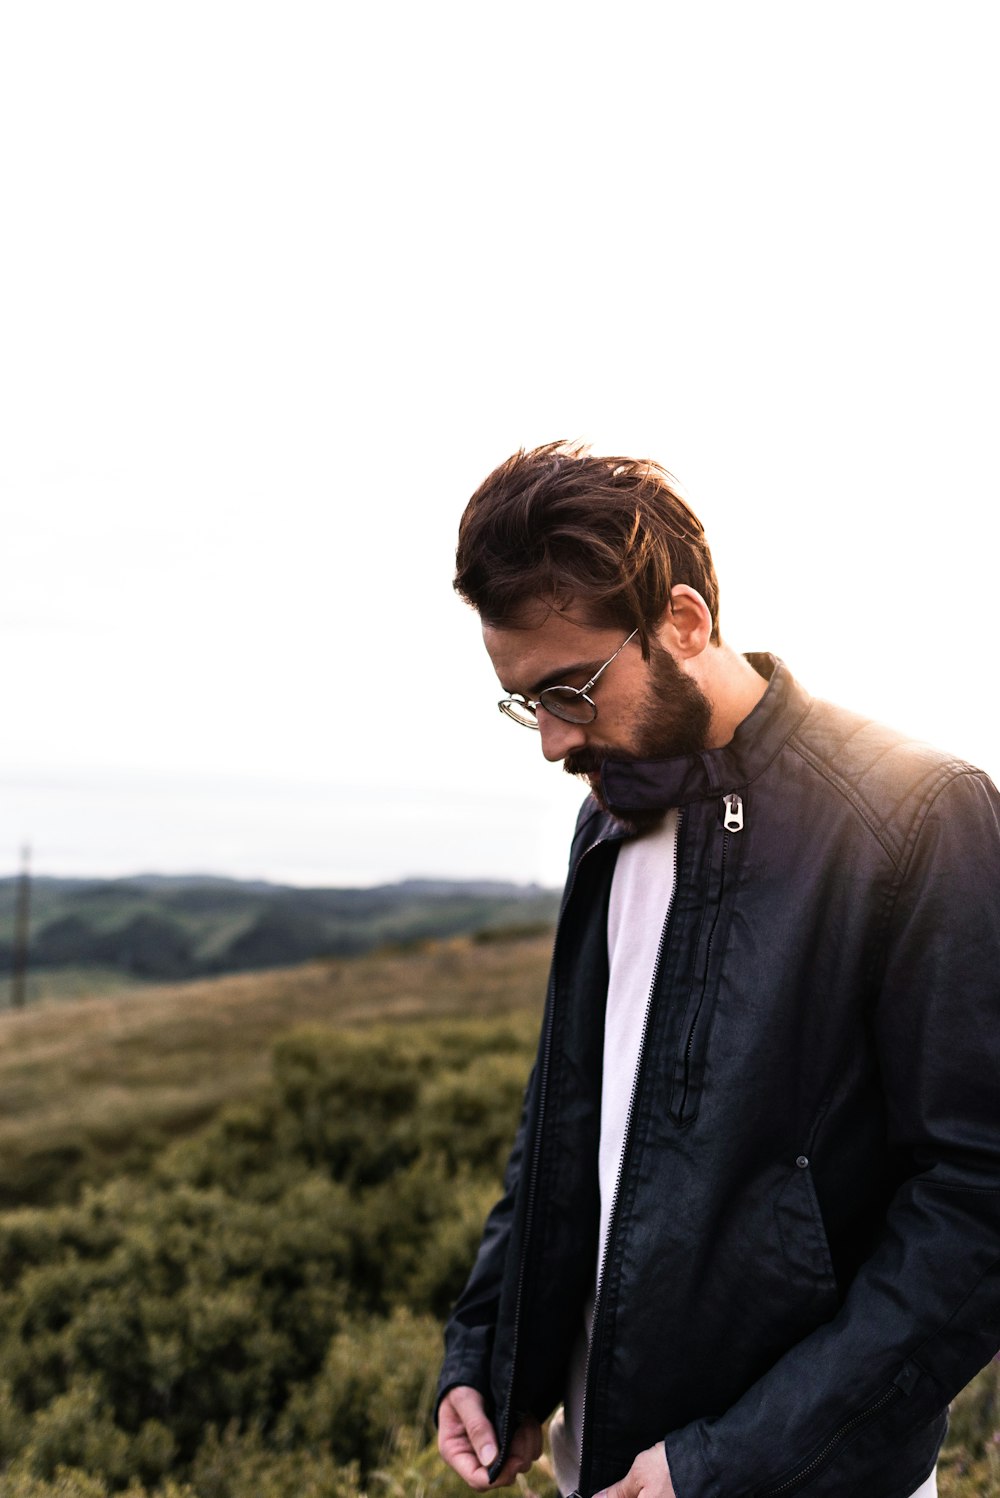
(504, 1442)
(825, 1453)
(732, 822)
(626, 1142)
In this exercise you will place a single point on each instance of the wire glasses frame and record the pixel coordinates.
(569, 703)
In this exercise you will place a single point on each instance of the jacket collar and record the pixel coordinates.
(648, 784)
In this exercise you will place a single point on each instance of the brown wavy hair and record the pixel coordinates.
(561, 526)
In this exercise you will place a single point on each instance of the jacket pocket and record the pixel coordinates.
(801, 1234)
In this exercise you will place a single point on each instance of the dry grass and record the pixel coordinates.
(82, 1084)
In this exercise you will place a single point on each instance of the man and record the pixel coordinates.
(750, 1235)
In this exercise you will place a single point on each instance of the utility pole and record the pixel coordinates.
(19, 971)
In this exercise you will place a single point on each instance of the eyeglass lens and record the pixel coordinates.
(570, 705)
(520, 712)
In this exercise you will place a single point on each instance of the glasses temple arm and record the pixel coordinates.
(607, 663)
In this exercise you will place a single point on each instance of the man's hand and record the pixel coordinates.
(468, 1442)
(648, 1477)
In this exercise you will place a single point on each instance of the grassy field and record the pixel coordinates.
(87, 1090)
(67, 984)
(237, 1211)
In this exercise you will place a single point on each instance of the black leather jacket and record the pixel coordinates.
(803, 1263)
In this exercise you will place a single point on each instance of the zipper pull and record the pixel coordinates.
(732, 818)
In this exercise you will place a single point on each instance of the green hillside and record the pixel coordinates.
(103, 1085)
(158, 928)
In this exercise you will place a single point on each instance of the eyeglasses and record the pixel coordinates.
(569, 703)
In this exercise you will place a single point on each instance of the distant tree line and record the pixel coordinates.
(171, 929)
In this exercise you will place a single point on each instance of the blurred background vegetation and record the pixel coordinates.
(89, 935)
(237, 1210)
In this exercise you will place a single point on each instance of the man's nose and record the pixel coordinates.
(558, 736)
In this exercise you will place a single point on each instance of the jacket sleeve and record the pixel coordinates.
(922, 1315)
(470, 1330)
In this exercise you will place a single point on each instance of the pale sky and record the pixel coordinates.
(282, 283)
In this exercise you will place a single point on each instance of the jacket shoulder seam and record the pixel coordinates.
(950, 770)
(847, 791)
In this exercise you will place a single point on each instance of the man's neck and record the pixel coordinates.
(734, 689)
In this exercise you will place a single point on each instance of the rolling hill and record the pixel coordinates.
(153, 927)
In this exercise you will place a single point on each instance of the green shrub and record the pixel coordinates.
(243, 1465)
(374, 1393)
(67, 1483)
(77, 1429)
(970, 1461)
(278, 1277)
(346, 1102)
(467, 1117)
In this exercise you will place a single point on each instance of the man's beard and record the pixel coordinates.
(674, 720)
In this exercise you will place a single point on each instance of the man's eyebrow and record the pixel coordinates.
(585, 669)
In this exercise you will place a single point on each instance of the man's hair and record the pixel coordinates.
(557, 525)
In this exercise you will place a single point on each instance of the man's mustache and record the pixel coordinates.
(584, 761)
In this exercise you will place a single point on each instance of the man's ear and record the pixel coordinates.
(686, 627)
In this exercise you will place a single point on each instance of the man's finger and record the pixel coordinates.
(648, 1477)
(456, 1448)
(618, 1490)
(468, 1407)
(525, 1449)
(527, 1441)
(466, 1439)
(466, 1465)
